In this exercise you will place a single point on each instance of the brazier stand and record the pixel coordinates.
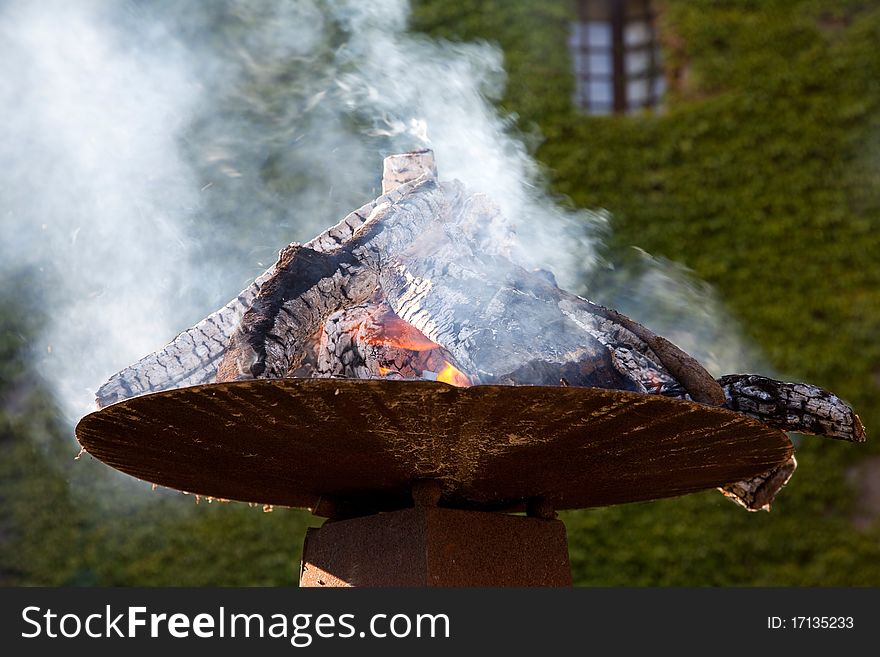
(422, 483)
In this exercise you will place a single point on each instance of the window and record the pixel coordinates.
(616, 56)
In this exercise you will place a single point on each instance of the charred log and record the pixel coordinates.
(370, 341)
(308, 285)
(758, 493)
(792, 406)
(796, 407)
(685, 368)
(270, 340)
(194, 356)
(799, 407)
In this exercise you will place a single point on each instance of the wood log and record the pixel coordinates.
(685, 368)
(796, 407)
(799, 407)
(194, 355)
(792, 406)
(758, 493)
(499, 319)
(307, 286)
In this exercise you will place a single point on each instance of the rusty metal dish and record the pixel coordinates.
(325, 443)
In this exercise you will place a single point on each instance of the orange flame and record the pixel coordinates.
(395, 332)
(453, 376)
(385, 371)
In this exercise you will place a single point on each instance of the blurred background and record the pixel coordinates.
(711, 169)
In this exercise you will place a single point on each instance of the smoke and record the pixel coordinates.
(437, 92)
(95, 195)
(157, 155)
(675, 303)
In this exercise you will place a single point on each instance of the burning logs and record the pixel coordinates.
(418, 284)
(422, 257)
(369, 341)
(193, 356)
(308, 286)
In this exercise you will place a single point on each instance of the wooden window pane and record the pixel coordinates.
(599, 63)
(601, 91)
(598, 34)
(637, 33)
(637, 91)
(638, 62)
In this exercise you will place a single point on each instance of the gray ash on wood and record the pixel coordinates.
(792, 406)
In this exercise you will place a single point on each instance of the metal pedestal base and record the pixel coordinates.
(430, 546)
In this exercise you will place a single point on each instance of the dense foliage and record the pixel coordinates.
(760, 174)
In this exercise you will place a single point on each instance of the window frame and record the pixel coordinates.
(620, 14)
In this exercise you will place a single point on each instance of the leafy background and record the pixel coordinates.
(760, 175)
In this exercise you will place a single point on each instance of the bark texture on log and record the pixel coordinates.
(799, 407)
(792, 406)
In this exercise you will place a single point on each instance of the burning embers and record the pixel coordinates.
(418, 284)
(370, 341)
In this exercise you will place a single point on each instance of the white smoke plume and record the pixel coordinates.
(95, 196)
(156, 156)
